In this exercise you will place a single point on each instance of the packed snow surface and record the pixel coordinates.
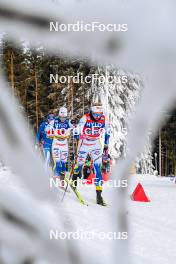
(151, 234)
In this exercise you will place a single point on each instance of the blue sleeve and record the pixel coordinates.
(107, 136)
(40, 132)
(107, 131)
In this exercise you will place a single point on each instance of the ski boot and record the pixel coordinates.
(62, 180)
(100, 200)
(74, 180)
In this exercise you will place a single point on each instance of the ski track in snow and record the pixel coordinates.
(151, 225)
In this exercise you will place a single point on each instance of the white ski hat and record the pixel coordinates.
(63, 112)
(96, 106)
(97, 109)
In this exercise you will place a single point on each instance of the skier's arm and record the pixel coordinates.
(110, 158)
(107, 132)
(79, 128)
(39, 133)
(72, 124)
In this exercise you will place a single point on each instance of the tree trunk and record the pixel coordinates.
(166, 161)
(70, 98)
(160, 158)
(12, 72)
(36, 100)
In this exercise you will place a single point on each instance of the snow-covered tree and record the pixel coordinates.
(120, 91)
(144, 162)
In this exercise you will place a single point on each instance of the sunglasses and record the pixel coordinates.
(97, 114)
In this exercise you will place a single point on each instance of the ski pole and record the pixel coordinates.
(71, 172)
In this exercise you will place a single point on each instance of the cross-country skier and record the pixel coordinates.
(106, 160)
(88, 167)
(62, 128)
(44, 139)
(92, 128)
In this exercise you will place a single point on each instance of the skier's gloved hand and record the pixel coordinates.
(36, 146)
(73, 122)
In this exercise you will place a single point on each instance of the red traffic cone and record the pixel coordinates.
(139, 194)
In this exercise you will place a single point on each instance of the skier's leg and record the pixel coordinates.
(108, 167)
(47, 156)
(97, 160)
(56, 154)
(82, 154)
(64, 158)
(96, 154)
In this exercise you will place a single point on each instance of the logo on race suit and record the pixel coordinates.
(94, 129)
(60, 125)
(81, 155)
(61, 132)
(94, 124)
(56, 152)
(82, 152)
(50, 132)
(65, 154)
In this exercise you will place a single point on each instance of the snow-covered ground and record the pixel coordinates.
(152, 233)
(152, 225)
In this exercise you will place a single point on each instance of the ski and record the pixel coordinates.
(77, 193)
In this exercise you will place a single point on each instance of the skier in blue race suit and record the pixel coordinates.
(62, 127)
(44, 138)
